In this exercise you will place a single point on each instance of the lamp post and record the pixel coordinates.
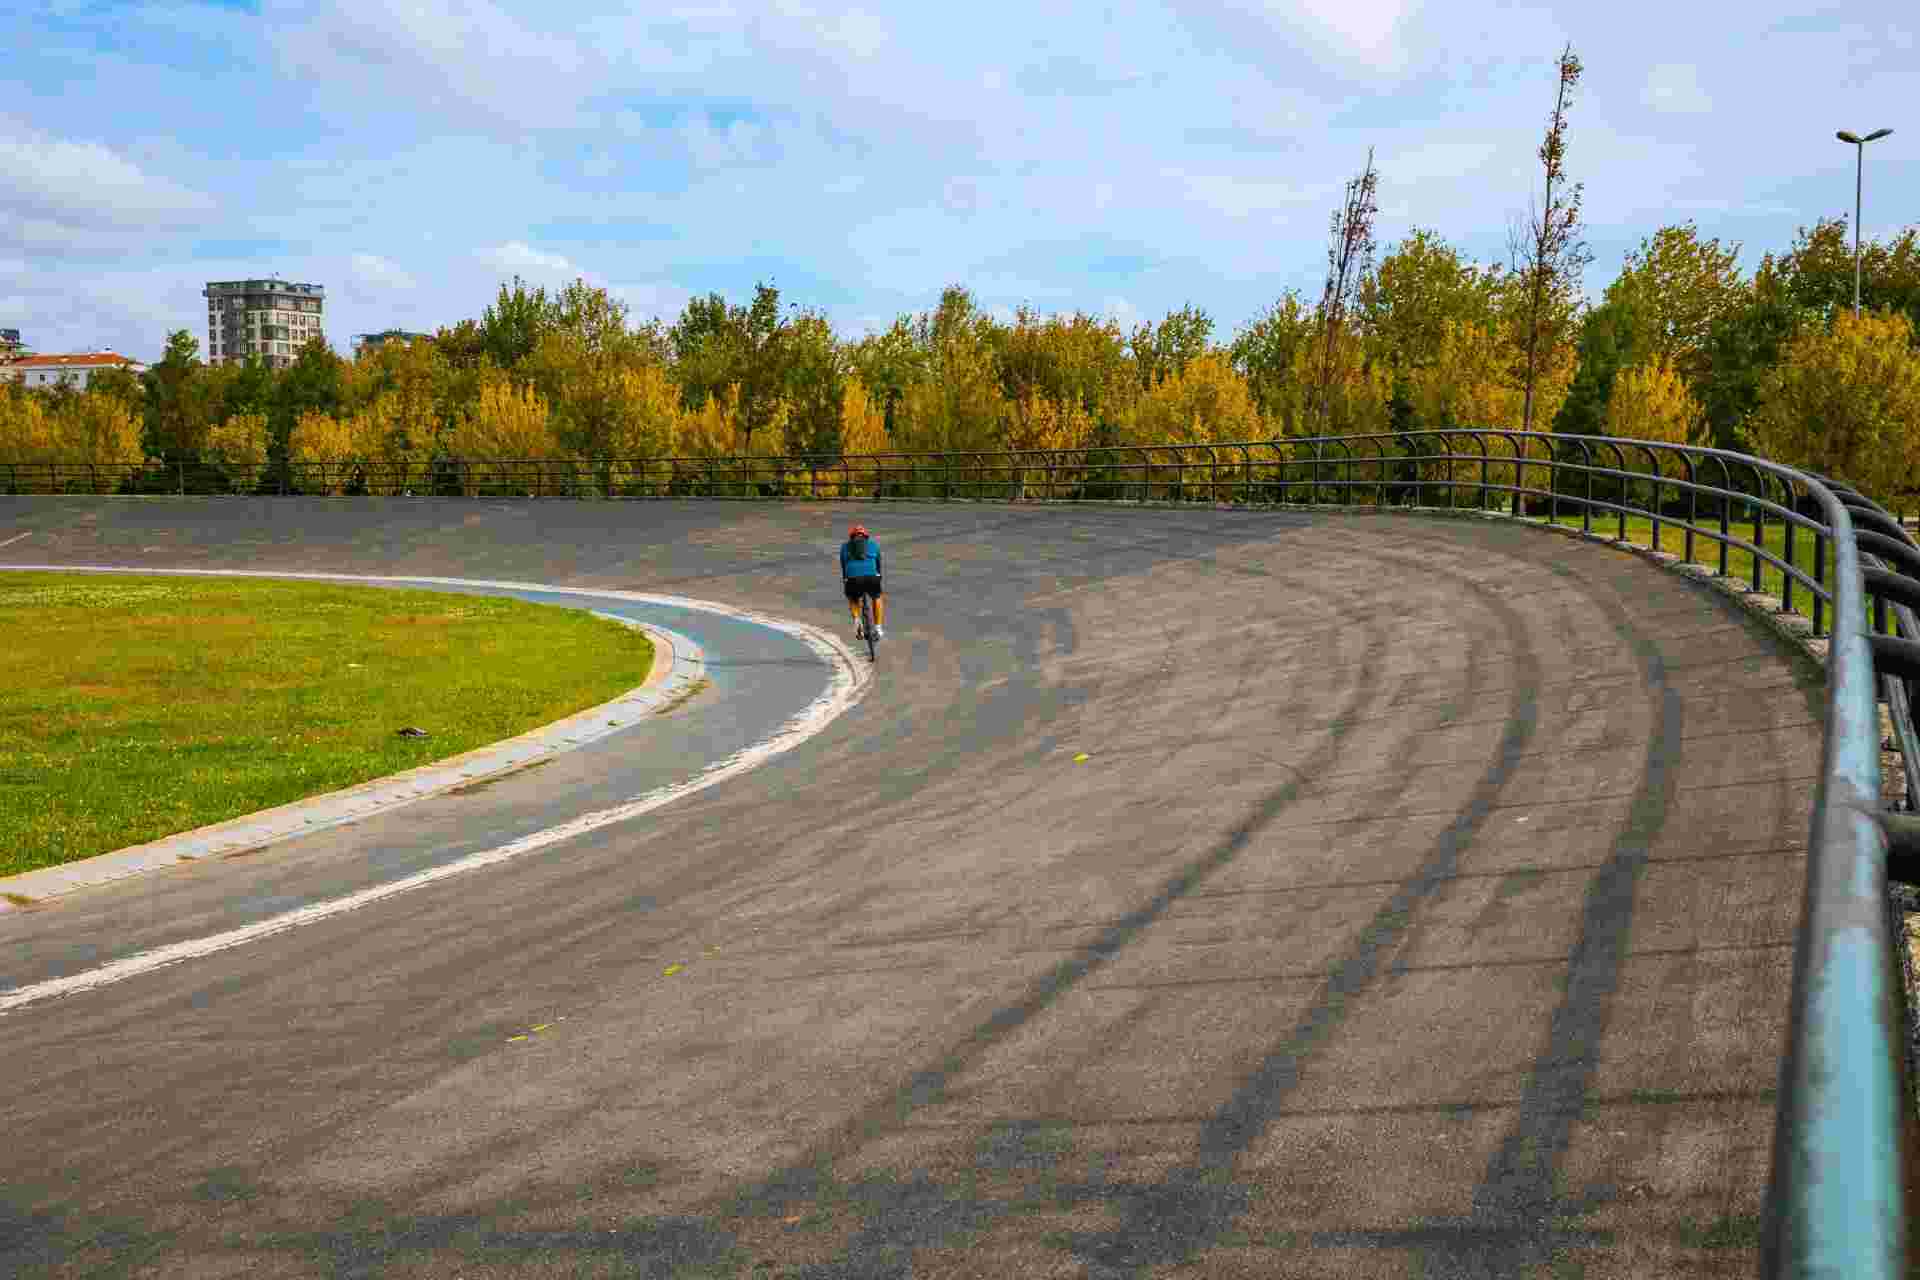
(1860, 161)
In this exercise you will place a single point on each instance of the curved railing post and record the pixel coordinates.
(1726, 514)
(1620, 508)
(1792, 503)
(1586, 509)
(1759, 520)
(1480, 502)
(1693, 508)
(1518, 442)
(1653, 504)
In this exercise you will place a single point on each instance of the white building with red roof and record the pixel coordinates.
(74, 370)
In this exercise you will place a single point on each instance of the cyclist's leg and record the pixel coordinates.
(879, 605)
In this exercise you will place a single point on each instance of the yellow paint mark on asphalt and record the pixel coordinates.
(542, 1027)
(1082, 758)
(672, 969)
(515, 1039)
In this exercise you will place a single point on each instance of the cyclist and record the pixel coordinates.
(860, 576)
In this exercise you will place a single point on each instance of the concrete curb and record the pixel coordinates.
(678, 666)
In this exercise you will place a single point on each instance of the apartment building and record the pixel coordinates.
(75, 371)
(270, 319)
(373, 341)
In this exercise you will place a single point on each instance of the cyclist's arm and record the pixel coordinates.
(876, 562)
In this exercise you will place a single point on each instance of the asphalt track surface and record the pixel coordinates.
(1423, 907)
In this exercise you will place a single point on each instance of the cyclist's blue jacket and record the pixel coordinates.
(861, 563)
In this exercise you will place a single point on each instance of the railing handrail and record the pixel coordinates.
(1836, 1195)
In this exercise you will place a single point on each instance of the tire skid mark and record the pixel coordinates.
(801, 1180)
(1195, 1205)
(1506, 1234)
(1158, 1219)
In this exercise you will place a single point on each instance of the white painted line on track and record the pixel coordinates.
(847, 683)
(16, 537)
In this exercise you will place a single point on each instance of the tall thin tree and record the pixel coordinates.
(1349, 258)
(1550, 254)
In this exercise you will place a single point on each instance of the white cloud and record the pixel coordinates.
(1675, 87)
(85, 184)
(858, 32)
(1370, 30)
(466, 58)
(518, 256)
(380, 273)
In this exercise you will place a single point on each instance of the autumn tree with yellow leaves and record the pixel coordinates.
(1845, 402)
(70, 428)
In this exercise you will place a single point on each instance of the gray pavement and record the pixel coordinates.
(1423, 906)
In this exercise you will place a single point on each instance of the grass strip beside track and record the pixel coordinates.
(1706, 551)
(132, 707)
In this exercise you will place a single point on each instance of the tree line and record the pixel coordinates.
(1682, 346)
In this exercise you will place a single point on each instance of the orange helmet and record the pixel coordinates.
(858, 531)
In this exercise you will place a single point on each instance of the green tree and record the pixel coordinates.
(512, 327)
(462, 346)
(118, 384)
(1844, 402)
(1612, 338)
(763, 361)
(1420, 288)
(1679, 285)
(313, 383)
(175, 411)
(959, 404)
(706, 341)
(889, 364)
(716, 345)
(1816, 273)
(1163, 350)
(1077, 364)
(1267, 352)
(815, 385)
(1743, 344)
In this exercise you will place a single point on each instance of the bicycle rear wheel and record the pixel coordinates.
(866, 627)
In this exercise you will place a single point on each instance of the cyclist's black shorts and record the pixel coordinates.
(866, 585)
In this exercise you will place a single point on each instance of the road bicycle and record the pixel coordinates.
(866, 628)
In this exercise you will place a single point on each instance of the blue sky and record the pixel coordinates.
(1119, 159)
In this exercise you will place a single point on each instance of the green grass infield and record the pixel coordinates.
(135, 707)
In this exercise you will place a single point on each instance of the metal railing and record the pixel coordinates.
(1842, 1150)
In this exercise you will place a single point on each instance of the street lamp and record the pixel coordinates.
(1860, 160)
